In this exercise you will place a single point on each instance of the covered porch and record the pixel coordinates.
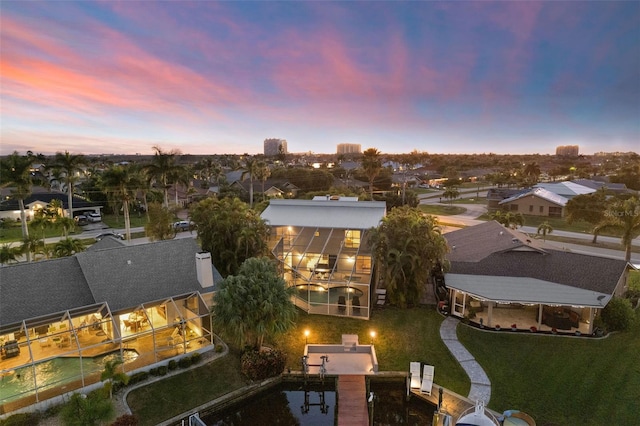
(529, 304)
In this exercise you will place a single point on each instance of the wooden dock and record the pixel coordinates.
(452, 403)
(352, 401)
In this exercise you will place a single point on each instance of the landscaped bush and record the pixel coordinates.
(173, 364)
(259, 365)
(633, 295)
(162, 370)
(196, 357)
(22, 419)
(126, 420)
(138, 377)
(219, 348)
(154, 371)
(618, 314)
(185, 362)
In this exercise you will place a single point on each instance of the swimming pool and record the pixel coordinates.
(54, 372)
(314, 293)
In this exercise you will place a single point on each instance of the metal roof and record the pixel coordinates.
(525, 290)
(552, 197)
(325, 213)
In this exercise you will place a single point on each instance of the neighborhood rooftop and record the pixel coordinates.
(325, 213)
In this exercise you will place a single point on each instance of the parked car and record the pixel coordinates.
(81, 220)
(109, 234)
(183, 225)
(94, 217)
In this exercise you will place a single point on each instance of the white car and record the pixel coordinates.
(94, 217)
(183, 225)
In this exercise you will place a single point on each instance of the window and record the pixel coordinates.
(555, 211)
(352, 238)
(530, 208)
(514, 207)
(541, 209)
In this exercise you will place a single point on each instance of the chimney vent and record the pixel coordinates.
(204, 270)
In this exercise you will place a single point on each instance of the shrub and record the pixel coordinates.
(618, 314)
(154, 371)
(258, 365)
(219, 348)
(173, 364)
(138, 377)
(162, 370)
(196, 357)
(126, 420)
(22, 419)
(633, 295)
(185, 362)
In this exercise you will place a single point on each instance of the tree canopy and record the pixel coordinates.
(254, 304)
(622, 216)
(407, 246)
(230, 231)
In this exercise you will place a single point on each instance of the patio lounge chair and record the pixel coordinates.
(414, 373)
(342, 304)
(427, 380)
(355, 303)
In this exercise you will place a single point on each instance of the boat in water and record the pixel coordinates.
(477, 416)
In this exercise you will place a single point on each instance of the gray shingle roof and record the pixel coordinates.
(490, 249)
(124, 277)
(131, 275)
(474, 243)
(29, 290)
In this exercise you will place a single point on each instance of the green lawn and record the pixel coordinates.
(176, 394)
(402, 336)
(441, 210)
(560, 380)
(118, 222)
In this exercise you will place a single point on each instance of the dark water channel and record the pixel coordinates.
(291, 404)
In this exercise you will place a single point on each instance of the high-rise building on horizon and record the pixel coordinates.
(567, 150)
(349, 148)
(274, 146)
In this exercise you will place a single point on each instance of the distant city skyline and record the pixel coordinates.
(221, 77)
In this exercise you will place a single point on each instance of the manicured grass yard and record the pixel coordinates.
(176, 394)
(558, 380)
(440, 210)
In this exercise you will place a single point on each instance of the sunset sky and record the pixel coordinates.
(213, 78)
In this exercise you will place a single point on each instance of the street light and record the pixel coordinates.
(306, 336)
(373, 336)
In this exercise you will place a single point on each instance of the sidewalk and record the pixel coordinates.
(480, 383)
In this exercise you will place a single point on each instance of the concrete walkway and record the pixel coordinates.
(480, 383)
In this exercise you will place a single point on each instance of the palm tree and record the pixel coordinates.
(255, 304)
(162, 167)
(249, 168)
(15, 172)
(180, 176)
(451, 193)
(69, 165)
(622, 216)
(263, 172)
(121, 183)
(111, 375)
(545, 228)
(532, 173)
(372, 165)
(407, 246)
(8, 254)
(31, 245)
(67, 247)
